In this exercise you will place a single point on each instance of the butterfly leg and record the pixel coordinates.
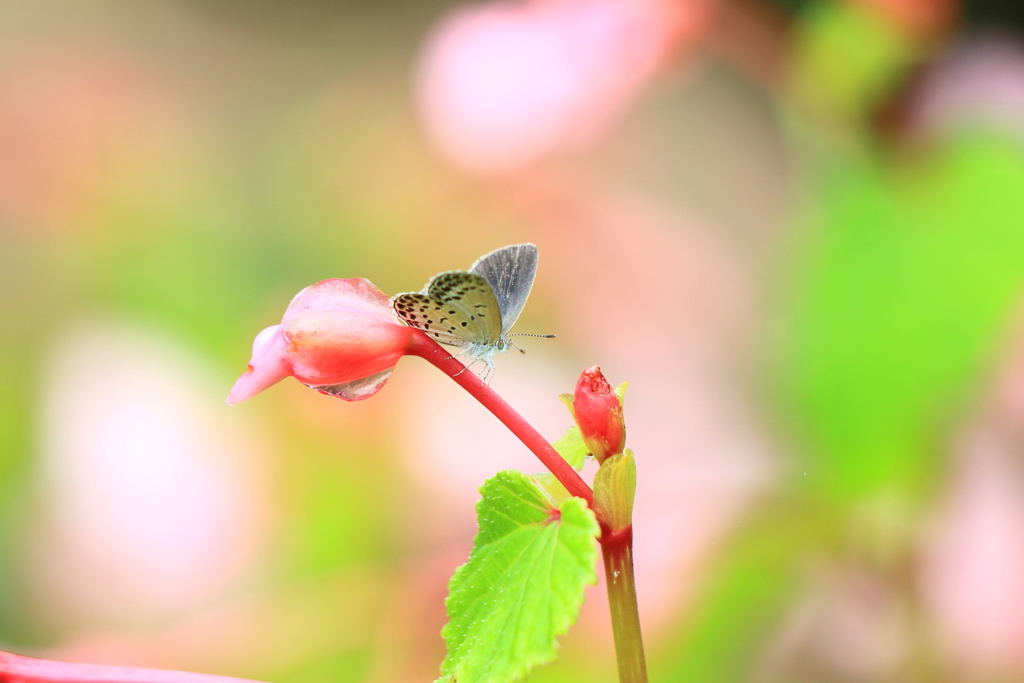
(488, 372)
(461, 353)
(467, 367)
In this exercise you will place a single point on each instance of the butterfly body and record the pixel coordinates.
(474, 309)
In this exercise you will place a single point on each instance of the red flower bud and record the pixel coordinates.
(598, 413)
(340, 337)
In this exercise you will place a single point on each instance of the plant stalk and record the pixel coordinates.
(616, 547)
(617, 550)
(426, 348)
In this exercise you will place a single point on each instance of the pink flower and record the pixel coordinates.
(501, 85)
(340, 337)
(973, 568)
(598, 414)
(979, 85)
(18, 669)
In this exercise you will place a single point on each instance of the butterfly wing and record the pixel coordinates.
(418, 310)
(510, 272)
(458, 308)
(477, 312)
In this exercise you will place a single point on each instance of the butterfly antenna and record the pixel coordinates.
(526, 334)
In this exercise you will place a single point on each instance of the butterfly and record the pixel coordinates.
(475, 309)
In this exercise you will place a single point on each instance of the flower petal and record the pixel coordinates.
(356, 390)
(267, 367)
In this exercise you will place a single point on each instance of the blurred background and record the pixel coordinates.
(796, 228)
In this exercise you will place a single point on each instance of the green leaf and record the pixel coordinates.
(911, 280)
(523, 584)
(572, 447)
(551, 487)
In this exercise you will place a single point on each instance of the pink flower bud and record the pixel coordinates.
(340, 337)
(598, 414)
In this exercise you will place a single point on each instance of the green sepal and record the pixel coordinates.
(569, 402)
(523, 584)
(614, 490)
(620, 393)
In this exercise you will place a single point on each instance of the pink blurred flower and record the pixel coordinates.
(18, 669)
(849, 623)
(73, 124)
(340, 337)
(150, 505)
(973, 574)
(501, 85)
(979, 85)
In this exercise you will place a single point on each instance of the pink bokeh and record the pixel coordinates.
(74, 124)
(978, 86)
(973, 575)
(502, 85)
(151, 504)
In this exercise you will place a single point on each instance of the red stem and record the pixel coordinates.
(436, 355)
(18, 669)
